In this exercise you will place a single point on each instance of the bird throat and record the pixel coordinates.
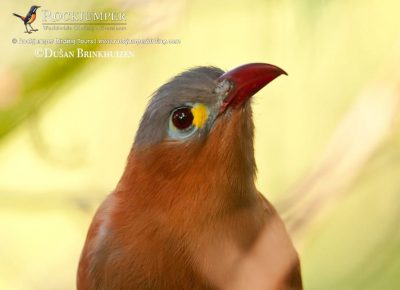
(219, 170)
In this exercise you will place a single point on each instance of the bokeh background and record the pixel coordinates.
(327, 136)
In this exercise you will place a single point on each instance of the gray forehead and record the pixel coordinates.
(192, 86)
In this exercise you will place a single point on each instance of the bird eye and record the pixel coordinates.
(182, 118)
(186, 120)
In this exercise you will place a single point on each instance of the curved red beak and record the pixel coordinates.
(243, 82)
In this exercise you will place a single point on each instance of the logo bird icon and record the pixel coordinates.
(29, 18)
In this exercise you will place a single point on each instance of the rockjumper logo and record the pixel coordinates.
(69, 17)
(83, 20)
(29, 18)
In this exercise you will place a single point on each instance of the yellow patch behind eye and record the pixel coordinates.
(200, 115)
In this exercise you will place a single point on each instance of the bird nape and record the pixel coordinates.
(186, 210)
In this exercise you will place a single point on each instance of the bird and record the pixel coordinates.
(29, 18)
(186, 209)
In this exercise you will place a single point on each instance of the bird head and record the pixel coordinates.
(188, 108)
(34, 8)
(200, 124)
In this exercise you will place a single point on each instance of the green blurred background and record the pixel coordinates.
(327, 136)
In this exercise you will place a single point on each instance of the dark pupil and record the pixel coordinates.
(182, 118)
